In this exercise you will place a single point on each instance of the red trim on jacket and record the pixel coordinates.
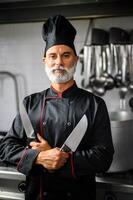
(23, 155)
(72, 165)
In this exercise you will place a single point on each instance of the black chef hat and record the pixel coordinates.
(58, 30)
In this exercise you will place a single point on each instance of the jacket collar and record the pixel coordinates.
(68, 92)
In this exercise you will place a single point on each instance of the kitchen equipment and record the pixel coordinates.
(130, 58)
(123, 88)
(75, 136)
(117, 182)
(98, 81)
(26, 122)
(114, 186)
(12, 184)
(100, 39)
(86, 57)
(119, 38)
(87, 60)
(107, 70)
(131, 103)
(122, 135)
(9, 79)
(20, 90)
(5, 74)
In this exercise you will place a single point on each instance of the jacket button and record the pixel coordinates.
(69, 123)
(68, 194)
(44, 123)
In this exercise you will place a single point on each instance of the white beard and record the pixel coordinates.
(65, 76)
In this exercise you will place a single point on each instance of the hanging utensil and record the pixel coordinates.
(130, 58)
(106, 74)
(98, 83)
(123, 89)
(86, 58)
(100, 38)
(117, 37)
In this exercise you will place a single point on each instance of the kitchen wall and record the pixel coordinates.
(21, 52)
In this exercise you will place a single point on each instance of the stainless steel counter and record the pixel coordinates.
(12, 184)
(115, 186)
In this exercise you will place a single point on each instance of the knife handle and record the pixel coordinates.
(65, 148)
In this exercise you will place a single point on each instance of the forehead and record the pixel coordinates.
(59, 49)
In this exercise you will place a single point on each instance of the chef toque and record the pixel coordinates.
(58, 30)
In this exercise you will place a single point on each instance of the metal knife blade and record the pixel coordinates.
(75, 136)
(26, 122)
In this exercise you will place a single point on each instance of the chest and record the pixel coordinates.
(60, 117)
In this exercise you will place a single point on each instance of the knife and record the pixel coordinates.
(75, 137)
(26, 123)
(71, 142)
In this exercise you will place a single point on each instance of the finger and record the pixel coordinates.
(65, 155)
(35, 144)
(32, 143)
(34, 147)
(40, 138)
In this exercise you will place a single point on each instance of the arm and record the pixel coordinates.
(13, 148)
(97, 154)
(49, 158)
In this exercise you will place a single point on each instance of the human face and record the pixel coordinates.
(60, 63)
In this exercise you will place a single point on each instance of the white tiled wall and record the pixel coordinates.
(21, 52)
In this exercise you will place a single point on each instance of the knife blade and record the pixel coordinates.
(26, 122)
(75, 137)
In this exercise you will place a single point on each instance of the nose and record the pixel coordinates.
(59, 60)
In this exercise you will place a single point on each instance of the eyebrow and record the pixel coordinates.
(65, 52)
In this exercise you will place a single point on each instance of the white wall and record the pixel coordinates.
(21, 52)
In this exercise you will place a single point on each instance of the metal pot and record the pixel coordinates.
(122, 135)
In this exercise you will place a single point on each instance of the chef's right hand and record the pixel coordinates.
(52, 159)
(41, 144)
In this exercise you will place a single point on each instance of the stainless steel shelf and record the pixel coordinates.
(34, 11)
(11, 173)
(11, 196)
(115, 184)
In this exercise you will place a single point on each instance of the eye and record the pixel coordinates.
(66, 55)
(52, 56)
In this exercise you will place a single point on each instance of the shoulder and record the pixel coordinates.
(90, 96)
(34, 98)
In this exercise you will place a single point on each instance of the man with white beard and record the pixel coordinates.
(52, 174)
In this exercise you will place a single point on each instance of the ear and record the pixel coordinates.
(76, 59)
(44, 60)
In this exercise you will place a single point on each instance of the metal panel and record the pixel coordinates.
(32, 11)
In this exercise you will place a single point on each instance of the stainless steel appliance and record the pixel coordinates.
(12, 184)
(115, 186)
(117, 183)
(122, 135)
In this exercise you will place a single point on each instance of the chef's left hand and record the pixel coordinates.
(41, 145)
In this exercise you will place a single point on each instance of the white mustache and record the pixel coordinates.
(58, 68)
(60, 78)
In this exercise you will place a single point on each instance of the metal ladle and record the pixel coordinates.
(130, 58)
(98, 82)
(105, 76)
(123, 89)
(118, 76)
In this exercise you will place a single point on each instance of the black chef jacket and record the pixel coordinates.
(54, 116)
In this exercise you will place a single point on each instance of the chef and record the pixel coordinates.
(52, 174)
